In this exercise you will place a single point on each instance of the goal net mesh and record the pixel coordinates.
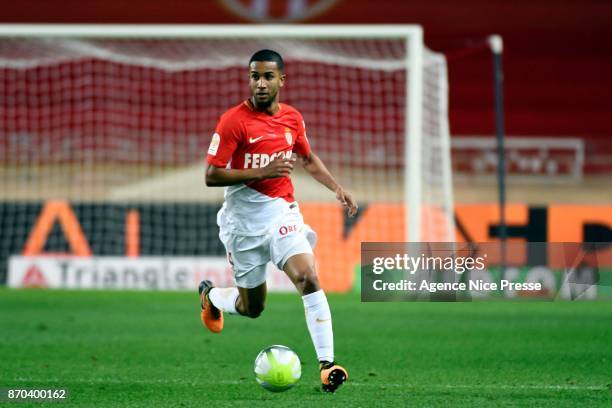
(116, 126)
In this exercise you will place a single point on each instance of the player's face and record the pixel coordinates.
(265, 82)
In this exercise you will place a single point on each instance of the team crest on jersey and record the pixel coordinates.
(278, 11)
(288, 136)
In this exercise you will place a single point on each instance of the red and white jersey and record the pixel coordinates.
(244, 139)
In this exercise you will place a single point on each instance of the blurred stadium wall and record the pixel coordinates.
(558, 53)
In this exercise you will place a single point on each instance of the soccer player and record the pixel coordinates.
(251, 154)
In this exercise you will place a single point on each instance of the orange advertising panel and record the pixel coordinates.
(580, 223)
(57, 211)
(338, 254)
(339, 240)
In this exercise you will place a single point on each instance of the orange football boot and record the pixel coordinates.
(210, 316)
(332, 376)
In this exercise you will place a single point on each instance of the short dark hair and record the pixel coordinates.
(269, 55)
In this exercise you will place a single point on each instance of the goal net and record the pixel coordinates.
(103, 138)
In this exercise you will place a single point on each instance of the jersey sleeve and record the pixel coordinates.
(302, 146)
(224, 142)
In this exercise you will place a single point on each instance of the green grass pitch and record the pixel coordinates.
(124, 349)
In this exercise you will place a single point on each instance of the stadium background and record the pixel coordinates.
(128, 348)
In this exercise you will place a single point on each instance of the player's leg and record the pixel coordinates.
(291, 250)
(215, 301)
(248, 257)
(300, 268)
(251, 302)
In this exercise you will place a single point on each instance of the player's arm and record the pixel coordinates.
(315, 167)
(221, 176)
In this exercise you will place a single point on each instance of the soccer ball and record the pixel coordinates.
(277, 368)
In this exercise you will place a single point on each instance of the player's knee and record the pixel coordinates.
(307, 280)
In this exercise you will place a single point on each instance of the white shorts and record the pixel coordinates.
(249, 255)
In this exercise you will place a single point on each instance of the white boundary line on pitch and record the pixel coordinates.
(350, 383)
(495, 386)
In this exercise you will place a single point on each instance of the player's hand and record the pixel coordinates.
(347, 201)
(279, 167)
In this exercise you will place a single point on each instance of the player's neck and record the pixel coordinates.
(271, 109)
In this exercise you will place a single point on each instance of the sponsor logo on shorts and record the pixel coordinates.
(286, 229)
